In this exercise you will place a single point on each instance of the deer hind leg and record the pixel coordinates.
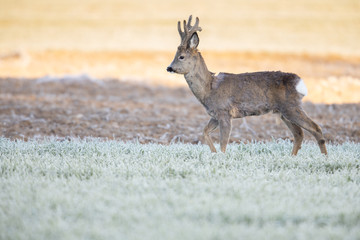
(297, 133)
(299, 117)
(210, 127)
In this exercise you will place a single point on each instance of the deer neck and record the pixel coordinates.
(199, 79)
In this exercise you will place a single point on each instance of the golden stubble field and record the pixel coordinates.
(89, 48)
(321, 26)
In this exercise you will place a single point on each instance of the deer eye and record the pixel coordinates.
(181, 57)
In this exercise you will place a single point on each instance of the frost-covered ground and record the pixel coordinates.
(96, 189)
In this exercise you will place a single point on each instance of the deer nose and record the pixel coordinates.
(170, 69)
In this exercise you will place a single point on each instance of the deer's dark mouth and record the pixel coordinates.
(170, 70)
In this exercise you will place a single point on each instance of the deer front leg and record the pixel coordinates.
(225, 129)
(210, 127)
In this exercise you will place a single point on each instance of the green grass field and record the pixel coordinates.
(96, 189)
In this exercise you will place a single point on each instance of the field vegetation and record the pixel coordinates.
(95, 189)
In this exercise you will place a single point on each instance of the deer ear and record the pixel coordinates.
(194, 41)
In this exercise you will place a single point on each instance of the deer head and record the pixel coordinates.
(184, 58)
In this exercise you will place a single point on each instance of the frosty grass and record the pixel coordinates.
(96, 189)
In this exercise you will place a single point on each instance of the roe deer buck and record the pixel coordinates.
(226, 96)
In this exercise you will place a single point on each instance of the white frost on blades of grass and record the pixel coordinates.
(93, 189)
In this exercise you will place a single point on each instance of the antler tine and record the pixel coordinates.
(180, 31)
(196, 26)
(189, 22)
(188, 29)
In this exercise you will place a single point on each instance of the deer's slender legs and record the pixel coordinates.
(297, 133)
(299, 117)
(225, 129)
(210, 127)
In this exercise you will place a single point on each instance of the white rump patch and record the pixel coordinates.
(301, 88)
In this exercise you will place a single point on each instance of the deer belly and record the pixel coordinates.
(243, 111)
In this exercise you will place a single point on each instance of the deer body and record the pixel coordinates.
(226, 96)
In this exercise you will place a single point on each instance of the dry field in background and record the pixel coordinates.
(329, 78)
(321, 26)
(82, 106)
(132, 43)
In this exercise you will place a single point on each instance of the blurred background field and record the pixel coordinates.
(305, 26)
(136, 40)
(132, 43)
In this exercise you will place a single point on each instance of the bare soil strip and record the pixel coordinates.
(113, 109)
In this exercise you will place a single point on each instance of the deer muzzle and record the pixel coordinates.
(170, 69)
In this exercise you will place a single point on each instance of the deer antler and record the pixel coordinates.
(188, 30)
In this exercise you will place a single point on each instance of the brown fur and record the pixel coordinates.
(226, 96)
